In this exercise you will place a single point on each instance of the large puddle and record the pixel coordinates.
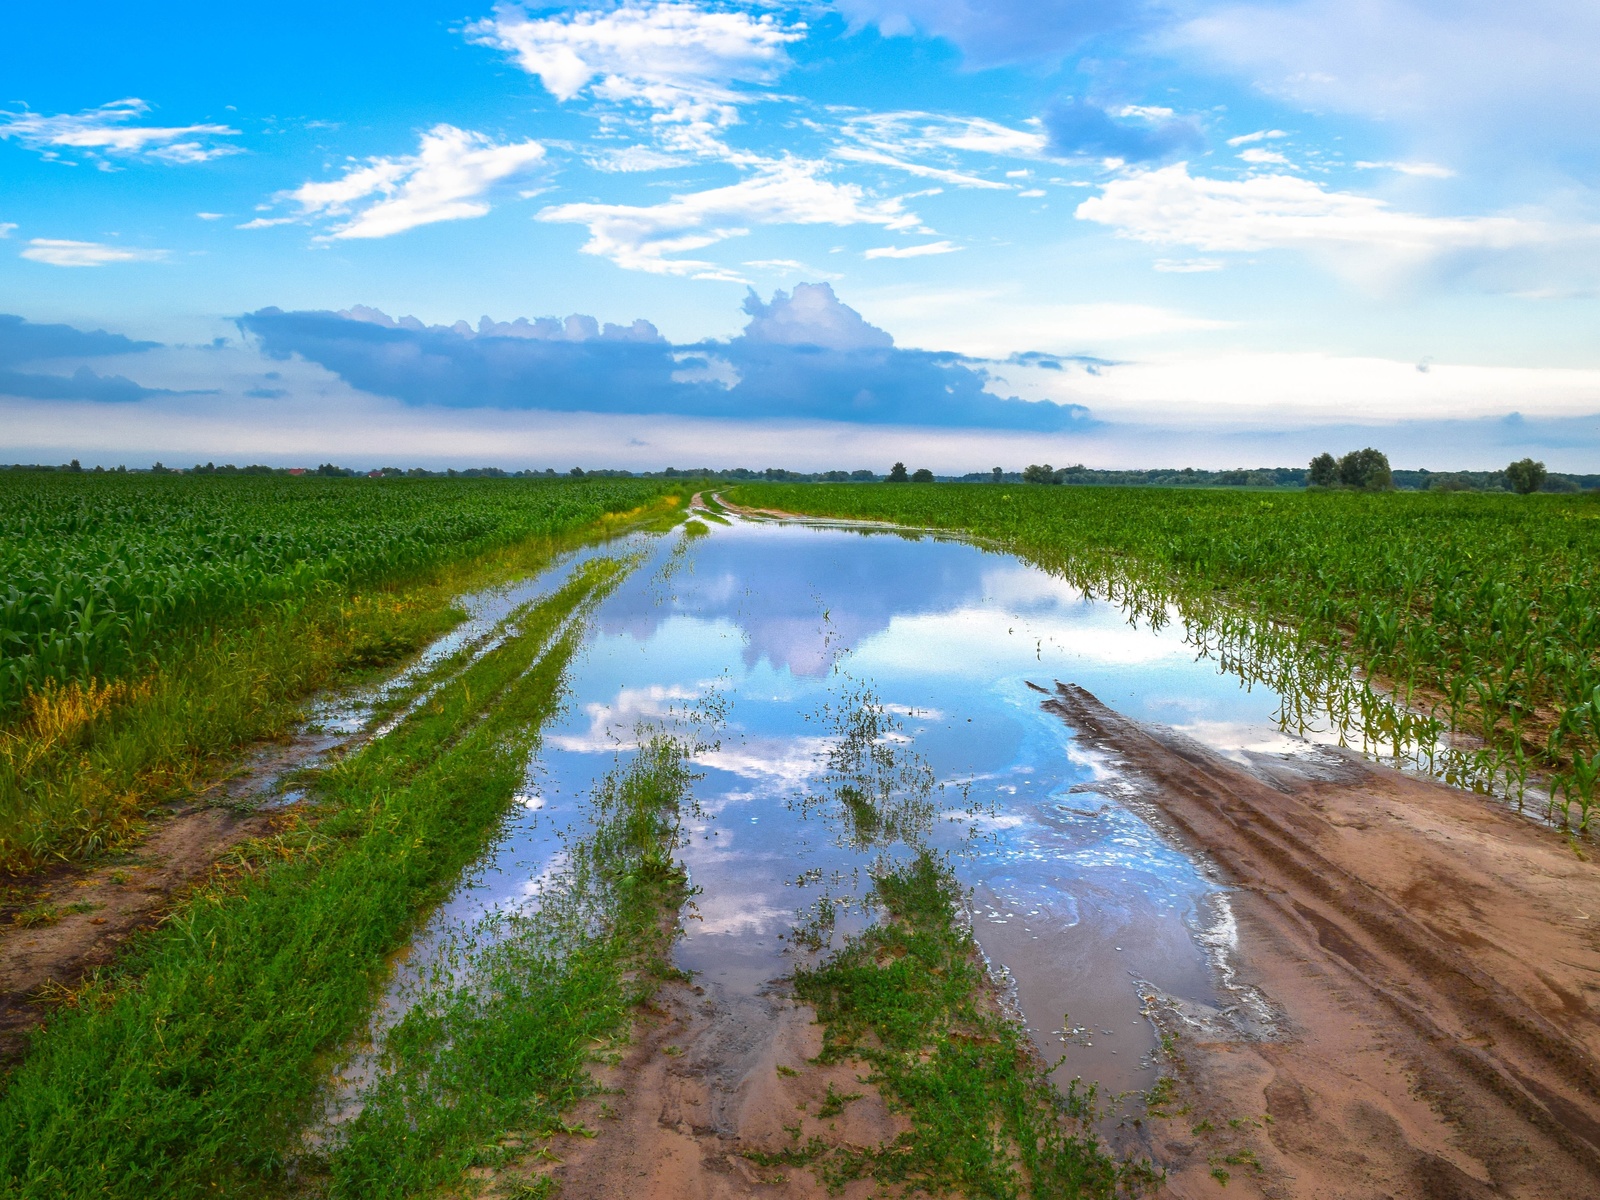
(818, 659)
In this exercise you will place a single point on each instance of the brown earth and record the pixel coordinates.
(1412, 1005)
(705, 1081)
(84, 914)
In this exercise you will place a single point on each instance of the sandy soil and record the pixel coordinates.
(100, 906)
(1413, 995)
(700, 1086)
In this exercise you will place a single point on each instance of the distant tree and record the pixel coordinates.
(897, 473)
(576, 472)
(75, 466)
(1366, 469)
(997, 473)
(862, 476)
(1525, 476)
(922, 475)
(1324, 471)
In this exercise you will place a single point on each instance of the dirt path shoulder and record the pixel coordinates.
(76, 917)
(1414, 994)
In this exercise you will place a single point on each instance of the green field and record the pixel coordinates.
(156, 624)
(1472, 613)
(151, 623)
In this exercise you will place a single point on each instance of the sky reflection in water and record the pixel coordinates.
(790, 624)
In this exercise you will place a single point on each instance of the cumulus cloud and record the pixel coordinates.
(990, 32)
(59, 252)
(681, 60)
(804, 356)
(789, 192)
(446, 180)
(1080, 129)
(1170, 206)
(811, 316)
(110, 130)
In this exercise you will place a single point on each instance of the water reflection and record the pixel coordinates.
(869, 693)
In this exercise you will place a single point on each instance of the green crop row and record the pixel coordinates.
(97, 572)
(1473, 614)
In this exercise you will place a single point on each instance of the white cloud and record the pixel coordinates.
(6, 227)
(878, 158)
(790, 266)
(1171, 207)
(633, 159)
(444, 181)
(210, 216)
(921, 251)
(1258, 157)
(1259, 135)
(1031, 193)
(1146, 112)
(680, 59)
(790, 192)
(61, 253)
(1423, 169)
(919, 132)
(1188, 266)
(107, 130)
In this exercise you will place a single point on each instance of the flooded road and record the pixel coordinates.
(782, 645)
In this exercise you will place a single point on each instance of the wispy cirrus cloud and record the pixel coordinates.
(110, 131)
(1170, 206)
(446, 180)
(787, 192)
(60, 252)
(921, 251)
(689, 64)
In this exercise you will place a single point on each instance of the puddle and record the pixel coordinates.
(781, 631)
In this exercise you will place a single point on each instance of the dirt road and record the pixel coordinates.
(1414, 1001)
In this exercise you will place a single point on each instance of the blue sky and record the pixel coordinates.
(822, 235)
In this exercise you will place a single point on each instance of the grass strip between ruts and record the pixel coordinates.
(190, 1069)
(501, 1045)
(910, 998)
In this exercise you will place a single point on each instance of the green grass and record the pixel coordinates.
(1475, 613)
(190, 1067)
(910, 998)
(83, 757)
(502, 1045)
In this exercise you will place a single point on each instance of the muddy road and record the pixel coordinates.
(1413, 993)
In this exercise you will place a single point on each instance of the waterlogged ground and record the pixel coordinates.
(863, 691)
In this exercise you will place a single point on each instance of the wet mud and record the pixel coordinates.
(709, 1085)
(1410, 982)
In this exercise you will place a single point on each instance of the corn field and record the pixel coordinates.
(1409, 617)
(96, 571)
